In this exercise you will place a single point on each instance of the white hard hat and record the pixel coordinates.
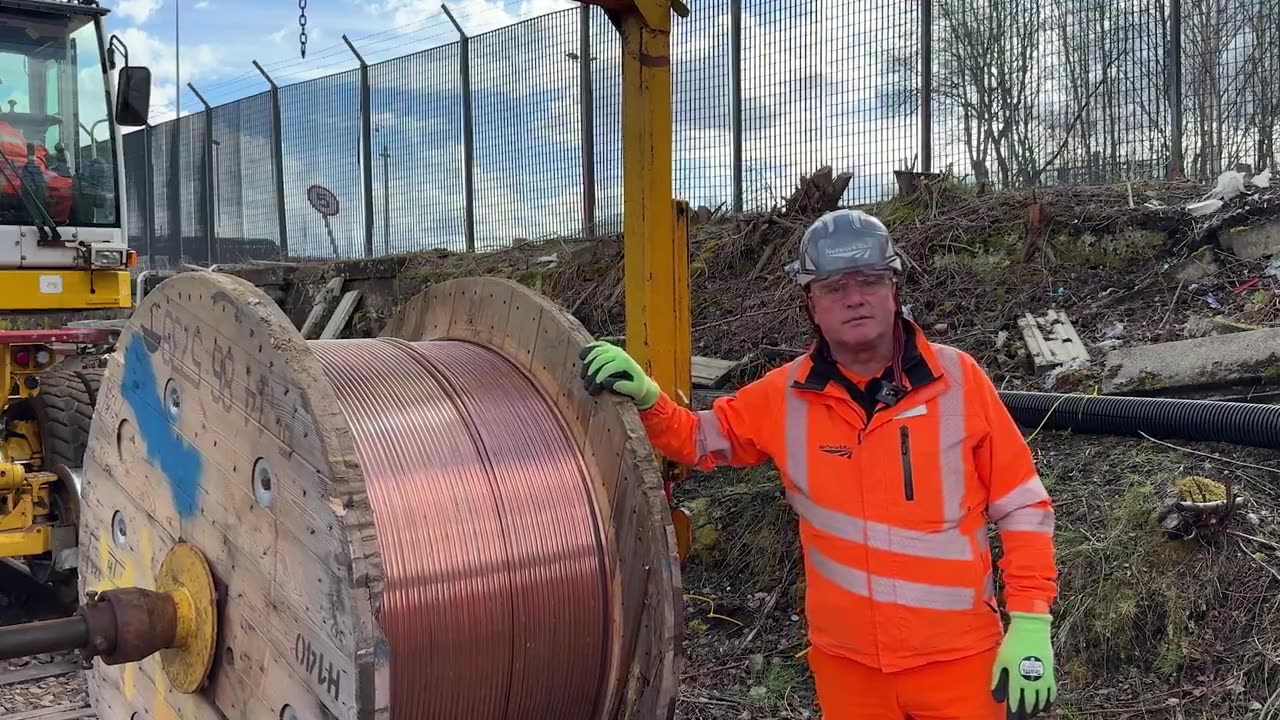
(842, 241)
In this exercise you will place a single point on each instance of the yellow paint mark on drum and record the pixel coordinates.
(117, 571)
(160, 703)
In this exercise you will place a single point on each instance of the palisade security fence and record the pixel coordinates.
(516, 133)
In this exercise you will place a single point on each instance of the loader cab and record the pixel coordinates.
(61, 170)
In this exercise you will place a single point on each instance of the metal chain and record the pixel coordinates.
(302, 23)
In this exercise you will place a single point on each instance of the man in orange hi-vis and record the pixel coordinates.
(894, 453)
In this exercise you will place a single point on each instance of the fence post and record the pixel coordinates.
(926, 86)
(735, 98)
(206, 182)
(1173, 73)
(386, 199)
(468, 144)
(173, 190)
(277, 159)
(588, 123)
(149, 190)
(366, 147)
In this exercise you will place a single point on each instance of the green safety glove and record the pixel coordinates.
(1023, 673)
(607, 366)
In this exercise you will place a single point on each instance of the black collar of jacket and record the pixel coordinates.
(824, 371)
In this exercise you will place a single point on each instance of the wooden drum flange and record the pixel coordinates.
(217, 426)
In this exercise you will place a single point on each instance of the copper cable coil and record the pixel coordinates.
(497, 596)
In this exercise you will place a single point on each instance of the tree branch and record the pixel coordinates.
(1066, 138)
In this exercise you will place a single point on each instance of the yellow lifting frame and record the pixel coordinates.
(655, 227)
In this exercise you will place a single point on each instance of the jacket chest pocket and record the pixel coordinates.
(904, 452)
(913, 488)
(924, 467)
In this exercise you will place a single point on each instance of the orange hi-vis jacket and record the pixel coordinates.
(893, 501)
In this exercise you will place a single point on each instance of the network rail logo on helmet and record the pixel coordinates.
(860, 248)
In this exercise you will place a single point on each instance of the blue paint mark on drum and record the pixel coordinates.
(177, 459)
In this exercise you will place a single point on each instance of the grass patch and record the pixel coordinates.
(1134, 603)
(744, 528)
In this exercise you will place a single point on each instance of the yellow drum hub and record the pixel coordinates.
(185, 576)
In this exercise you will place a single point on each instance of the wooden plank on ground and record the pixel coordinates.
(711, 372)
(38, 672)
(72, 711)
(324, 300)
(1051, 340)
(341, 316)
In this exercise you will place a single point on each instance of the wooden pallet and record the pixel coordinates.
(1052, 340)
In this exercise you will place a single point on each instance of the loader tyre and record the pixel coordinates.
(64, 411)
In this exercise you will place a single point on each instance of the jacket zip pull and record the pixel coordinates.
(908, 483)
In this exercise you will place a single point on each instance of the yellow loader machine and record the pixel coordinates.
(63, 250)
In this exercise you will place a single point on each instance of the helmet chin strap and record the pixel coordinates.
(899, 341)
(891, 393)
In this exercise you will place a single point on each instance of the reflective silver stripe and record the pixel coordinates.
(944, 545)
(892, 590)
(1028, 519)
(796, 423)
(1028, 493)
(951, 434)
(710, 440)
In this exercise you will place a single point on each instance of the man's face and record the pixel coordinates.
(856, 309)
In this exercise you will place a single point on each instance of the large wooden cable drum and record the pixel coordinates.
(438, 523)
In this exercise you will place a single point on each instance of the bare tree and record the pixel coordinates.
(1213, 77)
(1262, 83)
(1095, 43)
(986, 59)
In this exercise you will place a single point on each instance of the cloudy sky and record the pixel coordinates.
(816, 77)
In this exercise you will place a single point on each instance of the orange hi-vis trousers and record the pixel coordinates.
(946, 690)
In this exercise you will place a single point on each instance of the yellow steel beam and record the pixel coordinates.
(64, 289)
(655, 228)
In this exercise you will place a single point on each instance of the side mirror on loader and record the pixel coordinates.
(133, 95)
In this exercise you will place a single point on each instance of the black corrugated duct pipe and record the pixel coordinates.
(1165, 418)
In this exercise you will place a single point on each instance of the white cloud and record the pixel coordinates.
(288, 31)
(198, 61)
(139, 11)
(475, 16)
(201, 5)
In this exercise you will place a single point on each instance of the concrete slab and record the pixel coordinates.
(1254, 241)
(1242, 358)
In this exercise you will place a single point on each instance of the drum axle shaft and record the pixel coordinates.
(122, 625)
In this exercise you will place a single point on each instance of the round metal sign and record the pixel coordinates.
(323, 200)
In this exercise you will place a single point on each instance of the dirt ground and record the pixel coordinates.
(63, 691)
(1145, 626)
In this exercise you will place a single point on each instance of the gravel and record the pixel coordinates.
(59, 691)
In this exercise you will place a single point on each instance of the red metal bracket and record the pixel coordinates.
(83, 336)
